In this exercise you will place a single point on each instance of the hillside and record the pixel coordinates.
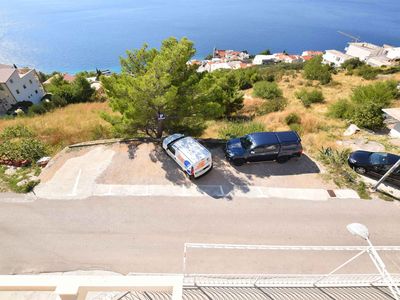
(317, 129)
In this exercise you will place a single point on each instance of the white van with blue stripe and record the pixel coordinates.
(191, 156)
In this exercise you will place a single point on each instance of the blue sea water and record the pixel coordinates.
(74, 35)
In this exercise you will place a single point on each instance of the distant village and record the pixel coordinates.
(23, 84)
(373, 55)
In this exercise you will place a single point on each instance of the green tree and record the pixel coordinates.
(81, 90)
(157, 90)
(265, 52)
(315, 70)
(223, 88)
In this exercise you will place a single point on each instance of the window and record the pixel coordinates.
(172, 149)
(11, 81)
(265, 149)
(30, 81)
(36, 91)
(17, 91)
(378, 158)
(24, 86)
(246, 142)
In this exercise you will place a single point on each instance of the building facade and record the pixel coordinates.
(335, 58)
(17, 85)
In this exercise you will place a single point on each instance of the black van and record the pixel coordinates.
(264, 146)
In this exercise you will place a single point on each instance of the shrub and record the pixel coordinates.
(309, 97)
(17, 131)
(296, 127)
(367, 72)
(267, 90)
(273, 105)
(352, 64)
(237, 129)
(334, 157)
(369, 116)
(381, 92)
(292, 118)
(17, 144)
(315, 70)
(341, 109)
(365, 107)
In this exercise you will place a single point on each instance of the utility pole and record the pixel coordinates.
(391, 170)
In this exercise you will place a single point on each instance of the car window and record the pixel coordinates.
(172, 148)
(265, 149)
(379, 158)
(246, 142)
(290, 147)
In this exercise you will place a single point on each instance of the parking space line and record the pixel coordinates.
(222, 191)
(75, 188)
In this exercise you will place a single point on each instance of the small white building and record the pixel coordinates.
(264, 59)
(18, 85)
(335, 57)
(393, 53)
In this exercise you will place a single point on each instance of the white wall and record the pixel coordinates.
(393, 53)
(332, 58)
(261, 59)
(6, 98)
(25, 88)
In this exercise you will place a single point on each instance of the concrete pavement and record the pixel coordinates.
(146, 234)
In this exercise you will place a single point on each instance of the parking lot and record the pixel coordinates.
(144, 169)
(149, 164)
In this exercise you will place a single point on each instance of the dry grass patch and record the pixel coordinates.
(72, 124)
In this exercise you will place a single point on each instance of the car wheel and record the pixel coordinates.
(360, 170)
(238, 162)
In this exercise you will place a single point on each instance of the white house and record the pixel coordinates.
(18, 85)
(373, 55)
(393, 53)
(334, 57)
(263, 59)
(364, 50)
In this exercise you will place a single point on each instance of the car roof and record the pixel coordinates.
(288, 136)
(268, 138)
(192, 149)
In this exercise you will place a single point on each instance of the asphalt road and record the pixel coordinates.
(147, 234)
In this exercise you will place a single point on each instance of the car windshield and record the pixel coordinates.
(379, 159)
(246, 142)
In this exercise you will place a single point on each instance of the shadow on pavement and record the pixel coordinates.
(229, 177)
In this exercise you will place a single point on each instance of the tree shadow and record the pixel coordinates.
(217, 183)
(294, 166)
(225, 178)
